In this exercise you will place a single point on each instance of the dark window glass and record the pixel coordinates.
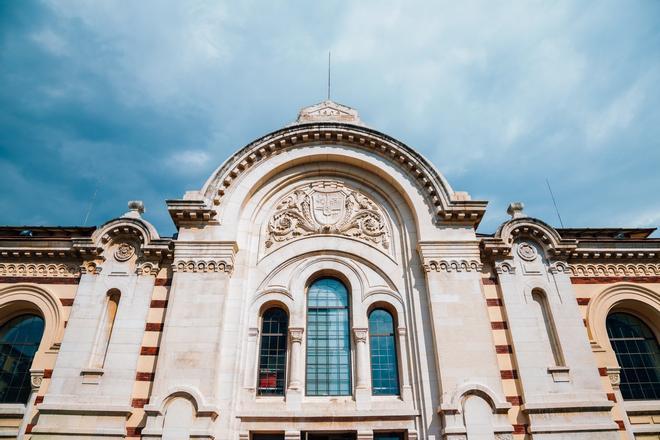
(272, 352)
(384, 368)
(328, 342)
(19, 341)
(388, 435)
(329, 436)
(267, 436)
(638, 355)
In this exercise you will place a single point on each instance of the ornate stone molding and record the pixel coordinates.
(447, 205)
(124, 252)
(328, 207)
(504, 267)
(147, 268)
(296, 334)
(60, 270)
(453, 265)
(36, 377)
(90, 267)
(614, 375)
(202, 266)
(360, 334)
(614, 269)
(527, 252)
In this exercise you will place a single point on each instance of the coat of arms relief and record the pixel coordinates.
(327, 208)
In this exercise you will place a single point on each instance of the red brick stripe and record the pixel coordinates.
(622, 427)
(149, 351)
(515, 400)
(158, 303)
(608, 280)
(139, 403)
(611, 396)
(28, 428)
(503, 349)
(39, 280)
(602, 371)
(493, 302)
(489, 281)
(38, 400)
(498, 325)
(134, 432)
(583, 301)
(154, 327)
(163, 281)
(66, 302)
(48, 374)
(509, 374)
(520, 429)
(142, 376)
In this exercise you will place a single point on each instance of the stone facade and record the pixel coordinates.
(498, 336)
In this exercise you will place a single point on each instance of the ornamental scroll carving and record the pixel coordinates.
(327, 208)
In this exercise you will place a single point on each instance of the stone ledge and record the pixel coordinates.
(94, 432)
(85, 409)
(587, 427)
(314, 416)
(8, 410)
(556, 407)
(642, 407)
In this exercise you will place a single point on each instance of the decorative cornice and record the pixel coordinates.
(190, 212)
(202, 266)
(450, 256)
(447, 205)
(452, 265)
(204, 256)
(59, 270)
(614, 269)
(502, 267)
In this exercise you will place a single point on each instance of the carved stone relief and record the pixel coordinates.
(124, 252)
(327, 208)
(527, 252)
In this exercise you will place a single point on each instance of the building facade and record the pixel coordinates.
(327, 283)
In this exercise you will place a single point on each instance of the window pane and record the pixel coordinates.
(328, 341)
(384, 367)
(388, 436)
(272, 352)
(19, 341)
(638, 354)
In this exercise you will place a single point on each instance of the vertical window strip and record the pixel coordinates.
(540, 298)
(328, 341)
(382, 343)
(272, 353)
(638, 354)
(100, 352)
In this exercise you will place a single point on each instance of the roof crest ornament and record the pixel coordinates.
(328, 111)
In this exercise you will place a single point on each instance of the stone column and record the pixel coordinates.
(361, 358)
(294, 391)
(406, 389)
(295, 376)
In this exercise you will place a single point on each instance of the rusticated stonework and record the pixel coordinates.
(327, 208)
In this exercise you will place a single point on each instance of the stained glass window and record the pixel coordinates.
(638, 354)
(272, 352)
(328, 341)
(19, 341)
(384, 368)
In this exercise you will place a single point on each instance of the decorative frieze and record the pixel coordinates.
(453, 265)
(202, 266)
(328, 207)
(614, 270)
(38, 270)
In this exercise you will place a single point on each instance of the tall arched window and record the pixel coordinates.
(553, 341)
(384, 368)
(272, 352)
(638, 354)
(328, 341)
(19, 342)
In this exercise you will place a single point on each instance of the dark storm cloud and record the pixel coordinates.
(142, 100)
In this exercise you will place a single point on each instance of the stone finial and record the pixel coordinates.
(328, 111)
(515, 210)
(135, 209)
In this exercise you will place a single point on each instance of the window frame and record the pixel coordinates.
(266, 308)
(395, 342)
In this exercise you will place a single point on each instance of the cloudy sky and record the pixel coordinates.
(103, 102)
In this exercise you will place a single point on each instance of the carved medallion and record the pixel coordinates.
(527, 252)
(327, 208)
(124, 252)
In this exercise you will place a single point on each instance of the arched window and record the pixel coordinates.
(272, 352)
(328, 342)
(19, 342)
(638, 354)
(384, 369)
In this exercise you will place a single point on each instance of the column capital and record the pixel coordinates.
(360, 334)
(402, 331)
(296, 333)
